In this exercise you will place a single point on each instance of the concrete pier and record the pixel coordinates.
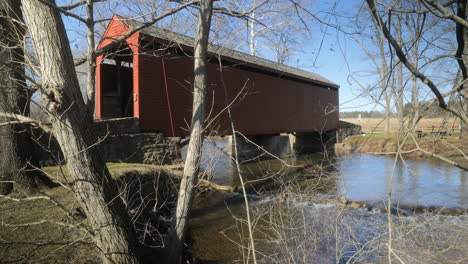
(260, 147)
(311, 142)
(285, 145)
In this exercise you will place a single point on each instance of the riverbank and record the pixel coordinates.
(452, 148)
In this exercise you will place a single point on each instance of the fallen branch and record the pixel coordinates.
(217, 187)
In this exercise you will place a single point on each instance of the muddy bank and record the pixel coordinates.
(452, 148)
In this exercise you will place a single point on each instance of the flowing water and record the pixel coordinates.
(215, 225)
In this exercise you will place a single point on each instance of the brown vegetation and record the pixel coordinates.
(450, 147)
(372, 125)
(52, 227)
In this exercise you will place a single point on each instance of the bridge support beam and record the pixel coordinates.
(260, 147)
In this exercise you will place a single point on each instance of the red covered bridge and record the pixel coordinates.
(150, 77)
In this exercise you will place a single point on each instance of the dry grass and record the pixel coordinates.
(298, 231)
(23, 238)
(36, 230)
(426, 124)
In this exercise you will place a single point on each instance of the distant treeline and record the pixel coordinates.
(430, 111)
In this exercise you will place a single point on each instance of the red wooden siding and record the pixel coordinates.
(268, 105)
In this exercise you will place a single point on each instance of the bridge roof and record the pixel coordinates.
(254, 61)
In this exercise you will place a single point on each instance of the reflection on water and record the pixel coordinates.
(216, 161)
(361, 177)
(366, 177)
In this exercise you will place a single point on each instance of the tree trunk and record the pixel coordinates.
(400, 84)
(192, 163)
(464, 92)
(91, 63)
(251, 28)
(16, 146)
(385, 77)
(414, 85)
(71, 122)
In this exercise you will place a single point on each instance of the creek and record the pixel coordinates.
(216, 229)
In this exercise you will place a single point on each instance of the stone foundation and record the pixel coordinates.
(147, 148)
(120, 140)
(116, 126)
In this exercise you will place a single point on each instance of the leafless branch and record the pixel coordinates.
(413, 11)
(461, 20)
(20, 119)
(77, 4)
(401, 55)
(52, 4)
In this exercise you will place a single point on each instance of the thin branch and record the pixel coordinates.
(392, 9)
(232, 13)
(77, 4)
(20, 119)
(40, 222)
(432, 154)
(61, 10)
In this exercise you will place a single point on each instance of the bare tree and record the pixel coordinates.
(16, 146)
(71, 124)
(414, 26)
(273, 27)
(440, 11)
(192, 163)
(400, 87)
(385, 85)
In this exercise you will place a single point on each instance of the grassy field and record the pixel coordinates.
(427, 124)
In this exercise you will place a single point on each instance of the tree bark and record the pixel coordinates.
(16, 146)
(400, 83)
(251, 27)
(71, 122)
(192, 163)
(91, 62)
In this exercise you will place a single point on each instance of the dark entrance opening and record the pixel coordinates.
(117, 84)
